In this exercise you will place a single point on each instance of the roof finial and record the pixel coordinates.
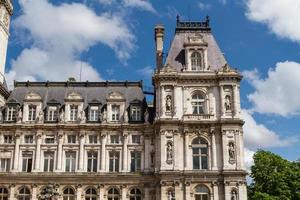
(207, 20)
(177, 19)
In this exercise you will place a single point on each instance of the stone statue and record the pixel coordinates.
(1, 116)
(170, 195)
(231, 151)
(82, 117)
(146, 116)
(62, 116)
(169, 153)
(19, 116)
(233, 195)
(49, 193)
(227, 103)
(169, 103)
(125, 116)
(40, 117)
(104, 116)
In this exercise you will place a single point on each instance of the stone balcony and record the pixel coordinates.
(202, 117)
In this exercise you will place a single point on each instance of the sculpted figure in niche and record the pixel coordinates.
(62, 116)
(82, 116)
(169, 103)
(19, 116)
(234, 195)
(227, 103)
(40, 118)
(231, 151)
(104, 115)
(169, 152)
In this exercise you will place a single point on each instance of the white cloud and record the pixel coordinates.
(248, 157)
(139, 4)
(278, 93)
(259, 136)
(59, 34)
(204, 6)
(281, 16)
(146, 71)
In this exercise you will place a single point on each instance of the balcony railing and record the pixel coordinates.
(192, 117)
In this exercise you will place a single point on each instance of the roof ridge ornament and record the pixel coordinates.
(182, 26)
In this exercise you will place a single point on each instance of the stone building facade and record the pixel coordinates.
(103, 141)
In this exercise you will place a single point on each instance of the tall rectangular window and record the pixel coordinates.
(52, 114)
(48, 161)
(72, 139)
(115, 113)
(94, 113)
(92, 161)
(28, 139)
(8, 139)
(49, 139)
(70, 161)
(31, 112)
(114, 159)
(27, 162)
(11, 113)
(114, 139)
(73, 112)
(93, 139)
(136, 113)
(4, 164)
(135, 161)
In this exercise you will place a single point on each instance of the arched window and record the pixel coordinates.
(201, 193)
(69, 194)
(24, 194)
(198, 104)
(113, 194)
(135, 194)
(196, 61)
(200, 153)
(90, 194)
(3, 193)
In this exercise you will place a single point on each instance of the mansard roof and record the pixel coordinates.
(186, 30)
(57, 92)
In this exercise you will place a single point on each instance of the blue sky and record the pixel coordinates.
(114, 40)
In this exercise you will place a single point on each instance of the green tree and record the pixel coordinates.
(274, 178)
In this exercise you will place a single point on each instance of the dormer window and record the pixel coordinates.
(115, 112)
(31, 112)
(135, 113)
(196, 61)
(94, 113)
(73, 112)
(11, 113)
(52, 113)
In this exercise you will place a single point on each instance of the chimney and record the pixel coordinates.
(159, 43)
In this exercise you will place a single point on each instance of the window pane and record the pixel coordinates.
(204, 164)
(196, 163)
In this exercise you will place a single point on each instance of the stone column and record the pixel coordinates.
(163, 158)
(16, 152)
(214, 150)
(187, 191)
(59, 151)
(162, 102)
(38, 151)
(101, 192)
(178, 191)
(103, 143)
(237, 147)
(215, 191)
(242, 190)
(125, 161)
(222, 100)
(123, 192)
(34, 192)
(225, 149)
(163, 193)
(227, 190)
(186, 150)
(78, 192)
(12, 192)
(242, 150)
(146, 193)
(81, 151)
(147, 153)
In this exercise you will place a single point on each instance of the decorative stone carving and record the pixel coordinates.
(49, 193)
(228, 103)
(169, 103)
(40, 117)
(169, 152)
(1, 116)
(231, 152)
(104, 115)
(62, 117)
(82, 117)
(19, 116)
(234, 195)
(125, 116)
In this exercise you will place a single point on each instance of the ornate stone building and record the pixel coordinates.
(102, 141)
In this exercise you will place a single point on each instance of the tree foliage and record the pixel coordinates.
(274, 178)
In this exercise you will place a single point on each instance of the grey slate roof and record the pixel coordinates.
(90, 92)
(176, 54)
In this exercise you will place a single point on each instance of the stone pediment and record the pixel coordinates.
(33, 96)
(74, 96)
(115, 96)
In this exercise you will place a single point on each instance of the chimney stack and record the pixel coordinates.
(159, 42)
